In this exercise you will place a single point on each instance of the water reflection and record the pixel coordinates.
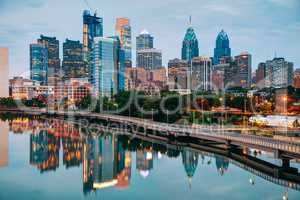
(106, 160)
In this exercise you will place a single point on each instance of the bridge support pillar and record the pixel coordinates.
(286, 163)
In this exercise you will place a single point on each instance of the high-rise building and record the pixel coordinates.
(149, 59)
(144, 41)
(103, 72)
(201, 73)
(222, 47)
(279, 73)
(92, 27)
(52, 46)
(120, 64)
(3, 72)
(297, 78)
(190, 48)
(123, 31)
(73, 65)
(244, 63)
(39, 63)
(260, 75)
(178, 74)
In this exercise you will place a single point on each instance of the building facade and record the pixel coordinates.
(201, 73)
(103, 67)
(39, 63)
(190, 48)
(244, 63)
(222, 48)
(279, 73)
(123, 31)
(144, 41)
(92, 27)
(178, 73)
(149, 59)
(4, 70)
(73, 65)
(260, 75)
(297, 79)
(54, 70)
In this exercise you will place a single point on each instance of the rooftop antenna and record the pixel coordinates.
(275, 54)
(190, 21)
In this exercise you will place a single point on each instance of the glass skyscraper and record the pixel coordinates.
(105, 66)
(190, 48)
(73, 65)
(123, 31)
(52, 46)
(38, 63)
(92, 27)
(222, 47)
(144, 41)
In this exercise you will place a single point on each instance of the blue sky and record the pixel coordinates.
(261, 27)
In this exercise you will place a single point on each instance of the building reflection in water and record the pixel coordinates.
(222, 164)
(44, 151)
(4, 128)
(190, 163)
(144, 161)
(106, 163)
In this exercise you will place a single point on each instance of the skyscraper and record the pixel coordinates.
(73, 65)
(222, 47)
(123, 31)
(190, 48)
(52, 46)
(260, 75)
(92, 27)
(144, 41)
(3, 72)
(149, 59)
(39, 63)
(244, 63)
(279, 73)
(103, 67)
(178, 74)
(201, 73)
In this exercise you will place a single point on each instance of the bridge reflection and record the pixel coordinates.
(106, 159)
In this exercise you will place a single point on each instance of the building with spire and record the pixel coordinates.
(190, 163)
(190, 47)
(222, 47)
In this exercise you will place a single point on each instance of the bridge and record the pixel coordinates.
(231, 139)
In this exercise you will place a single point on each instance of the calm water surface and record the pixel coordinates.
(50, 160)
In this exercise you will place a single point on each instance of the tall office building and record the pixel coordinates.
(120, 64)
(73, 65)
(201, 73)
(123, 31)
(190, 48)
(92, 27)
(4, 72)
(178, 74)
(149, 59)
(260, 75)
(222, 48)
(52, 46)
(103, 72)
(39, 63)
(144, 41)
(244, 63)
(279, 73)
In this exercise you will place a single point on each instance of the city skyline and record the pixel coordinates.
(244, 36)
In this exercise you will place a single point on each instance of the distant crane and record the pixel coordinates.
(89, 6)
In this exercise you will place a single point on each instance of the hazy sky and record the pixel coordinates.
(261, 27)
